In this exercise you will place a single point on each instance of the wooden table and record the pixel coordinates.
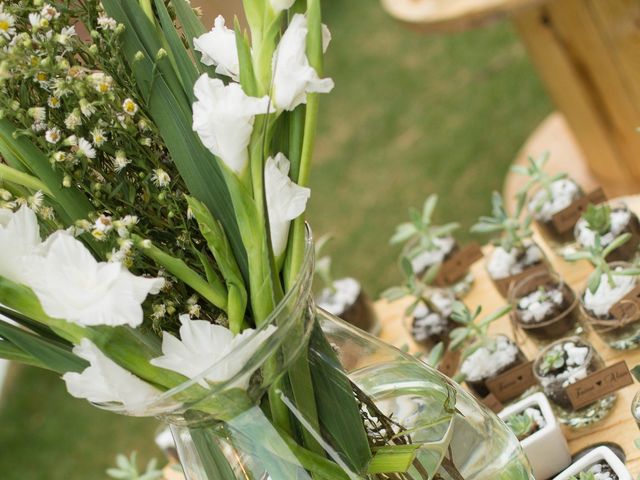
(619, 426)
(587, 53)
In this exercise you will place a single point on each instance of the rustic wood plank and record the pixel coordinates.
(453, 15)
(619, 426)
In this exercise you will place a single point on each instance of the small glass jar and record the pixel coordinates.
(628, 250)
(505, 283)
(429, 322)
(562, 321)
(617, 333)
(479, 385)
(635, 408)
(554, 387)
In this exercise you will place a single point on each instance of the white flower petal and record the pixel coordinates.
(293, 77)
(223, 118)
(218, 47)
(280, 5)
(285, 200)
(106, 381)
(202, 344)
(72, 285)
(19, 236)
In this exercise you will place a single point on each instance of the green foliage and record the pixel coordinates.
(597, 255)
(127, 469)
(520, 424)
(420, 233)
(553, 360)
(583, 476)
(473, 333)
(417, 287)
(598, 218)
(512, 230)
(537, 178)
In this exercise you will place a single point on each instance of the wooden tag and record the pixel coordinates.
(458, 265)
(450, 362)
(628, 306)
(503, 284)
(493, 403)
(566, 219)
(599, 384)
(512, 383)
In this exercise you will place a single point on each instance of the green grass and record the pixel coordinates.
(410, 115)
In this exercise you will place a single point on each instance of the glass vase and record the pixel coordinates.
(618, 333)
(295, 420)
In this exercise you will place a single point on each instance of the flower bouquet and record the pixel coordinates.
(154, 253)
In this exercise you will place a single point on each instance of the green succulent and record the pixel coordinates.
(538, 179)
(413, 286)
(127, 469)
(472, 332)
(513, 229)
(419, 234)
(597, 255)
(583, 476)
(552, 360)
(520, 424)
(598, 218)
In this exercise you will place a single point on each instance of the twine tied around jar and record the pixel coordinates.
(604, 325)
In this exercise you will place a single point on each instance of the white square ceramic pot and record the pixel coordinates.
(596, 456)
(546, 449)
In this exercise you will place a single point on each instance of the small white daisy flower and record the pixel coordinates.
(99, 136)
(52, 135)
(87, 108)
(53, 102)
(49, 12)
(121, 161)
(101, 82)
(73, 120)
(129, 107)
(38, 126)
(39, 114)
(106, 23)
(160, 177)
(35, 201)
(7, 25)
(65, 35)
(85, 148)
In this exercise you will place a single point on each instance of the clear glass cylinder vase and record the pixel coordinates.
(326, 401)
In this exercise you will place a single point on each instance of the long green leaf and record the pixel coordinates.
(47, 353)
(332, 387)
(186, 69)
(213, 292)
(70, 203)
(196, 165)
(221, 250)
(8, 351)
(24, 301)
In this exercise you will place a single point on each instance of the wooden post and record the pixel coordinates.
(588, 54)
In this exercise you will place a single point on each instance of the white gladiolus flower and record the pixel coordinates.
(218, 47)
(19, 237)
(293, 77)
(223, 118)
(72, 285)
(105, 381)
(280, 5)
(203, 344)
(285, 200)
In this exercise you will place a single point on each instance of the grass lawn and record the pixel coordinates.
(410, 115)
